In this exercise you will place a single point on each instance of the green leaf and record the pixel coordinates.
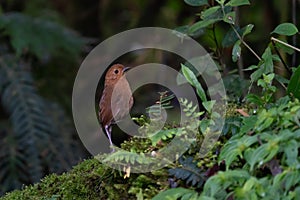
(174, 193)
(252, 67)
(210, 13)
(268, 66)
(163, 135)
(208, 105)
(229, 17)
(291, 152)
(192, 79)
(247, 29)
(238, 2)
(248, 124)
(294, 85)
(236, 51)
(287, 29)
(196, 2)
(183, 31)
(261, 155)
(234, 148)
(252, 98)
(200, 25)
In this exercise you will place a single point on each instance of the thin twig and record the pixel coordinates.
(245, 44)
(285, 44)
(240, 38)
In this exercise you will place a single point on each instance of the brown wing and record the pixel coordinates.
(105, 113)
(122, 102)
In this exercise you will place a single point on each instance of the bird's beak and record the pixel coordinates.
(126, 69)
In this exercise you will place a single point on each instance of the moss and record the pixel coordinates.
(92, 180)
(85, 181)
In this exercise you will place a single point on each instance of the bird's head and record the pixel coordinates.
(115, 72)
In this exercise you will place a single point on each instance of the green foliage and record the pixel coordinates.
(294, 84)
(164, 135)
(177, 193)
(38, 37)
(287, 29)
(39, 142)
(38, 137)
(196, 2)
(189, 172)
(192, 79)
(80, 183)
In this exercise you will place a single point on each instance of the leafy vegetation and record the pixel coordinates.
(256, 156)
(36, 135)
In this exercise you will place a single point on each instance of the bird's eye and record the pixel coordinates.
(116, 71)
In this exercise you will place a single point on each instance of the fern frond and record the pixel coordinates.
(189, 172)
(13, 167)
(190, 110)
(127, 157)
(41, 38)
(26, 109)
(164, 135)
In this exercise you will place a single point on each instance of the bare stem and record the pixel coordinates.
(285, 44)
(245, 44)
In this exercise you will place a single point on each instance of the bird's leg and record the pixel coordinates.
(108, 130)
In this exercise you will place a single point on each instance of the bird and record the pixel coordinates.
(112, 110)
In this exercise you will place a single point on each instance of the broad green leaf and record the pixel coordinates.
(264, 122)
(261, 155)
(252, 98)
(248, 124)
(268, 78)
(294, 85)
(208, 105)
(286, 29)
(291, 152)
(210, 12)
(201, 24)
(238, 2)
(265, 66)
(257, 73)
(234, 148)
(229, 153)
(192, 79)
(236, 51)
(252, 67)
(221, 2)
(247, 29)
(173, 193)
(268, 61)
(196, 2)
